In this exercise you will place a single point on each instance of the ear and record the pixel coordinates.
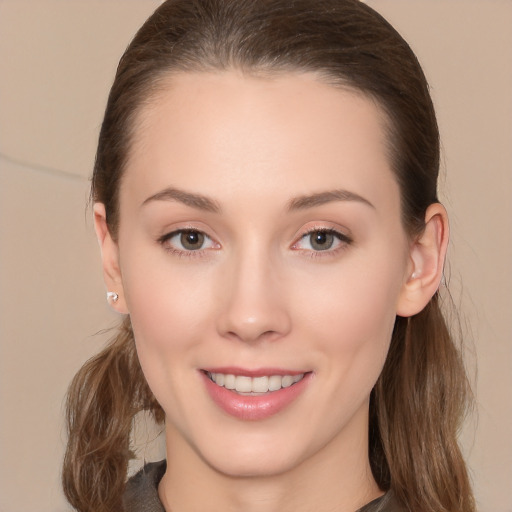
(427, 255)
(110, 258)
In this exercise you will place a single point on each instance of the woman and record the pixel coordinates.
(265, 202)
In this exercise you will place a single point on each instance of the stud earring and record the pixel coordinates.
(113, 296)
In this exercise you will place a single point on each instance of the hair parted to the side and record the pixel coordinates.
(419, 401)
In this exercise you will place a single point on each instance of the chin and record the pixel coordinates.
(254, 467)
(253, 458)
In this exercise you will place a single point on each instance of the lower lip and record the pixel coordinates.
(254, 407)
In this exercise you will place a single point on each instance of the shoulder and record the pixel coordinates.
(386, 503)
(141, 492)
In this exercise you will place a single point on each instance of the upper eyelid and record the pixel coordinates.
(173, 232)
(325, 229)
(344, 241)
(163, 241)
(343, 237)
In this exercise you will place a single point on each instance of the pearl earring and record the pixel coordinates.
(113, 296)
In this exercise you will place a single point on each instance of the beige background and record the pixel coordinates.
(57, 59)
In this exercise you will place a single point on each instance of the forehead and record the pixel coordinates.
(226, 133)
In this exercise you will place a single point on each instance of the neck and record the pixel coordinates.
(338, 477)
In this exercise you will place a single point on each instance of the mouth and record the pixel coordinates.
(246, 385)
(254, 395)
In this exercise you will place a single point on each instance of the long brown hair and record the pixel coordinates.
(419, 400)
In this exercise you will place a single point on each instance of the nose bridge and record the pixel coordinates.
(253, 298)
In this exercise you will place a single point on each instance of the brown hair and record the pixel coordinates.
(418, 402)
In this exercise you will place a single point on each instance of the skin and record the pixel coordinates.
(257, 294)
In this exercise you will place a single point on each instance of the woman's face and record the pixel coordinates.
(261, 247)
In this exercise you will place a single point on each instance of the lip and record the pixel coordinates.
(250, 407)
(258, 372)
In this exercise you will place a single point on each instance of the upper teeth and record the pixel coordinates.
(244, 384)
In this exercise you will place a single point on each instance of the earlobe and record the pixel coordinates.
(110, 259)
(427, 255)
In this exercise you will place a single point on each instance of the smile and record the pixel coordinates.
(254, 397)
(246, 385)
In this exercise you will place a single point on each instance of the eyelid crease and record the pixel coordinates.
(325, 227)
(339, 234)
(343, 239)
(174, 232)
(186, 253)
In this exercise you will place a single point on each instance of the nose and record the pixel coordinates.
(252, 300)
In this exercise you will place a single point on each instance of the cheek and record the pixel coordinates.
(162, 295)
(169, 310)
(359, 299)
(351, 315)
(169, 315)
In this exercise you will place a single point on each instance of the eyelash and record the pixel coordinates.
(343, 239)
(184, 253)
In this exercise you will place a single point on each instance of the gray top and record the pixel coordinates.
(141, 493)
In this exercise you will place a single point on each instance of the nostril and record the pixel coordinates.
(252, 313)
(254, 336)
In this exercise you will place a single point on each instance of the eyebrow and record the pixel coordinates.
(197, 201)
(320, 198)
(204, 203)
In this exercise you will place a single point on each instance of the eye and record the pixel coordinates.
(186, 240)
(322, 240)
